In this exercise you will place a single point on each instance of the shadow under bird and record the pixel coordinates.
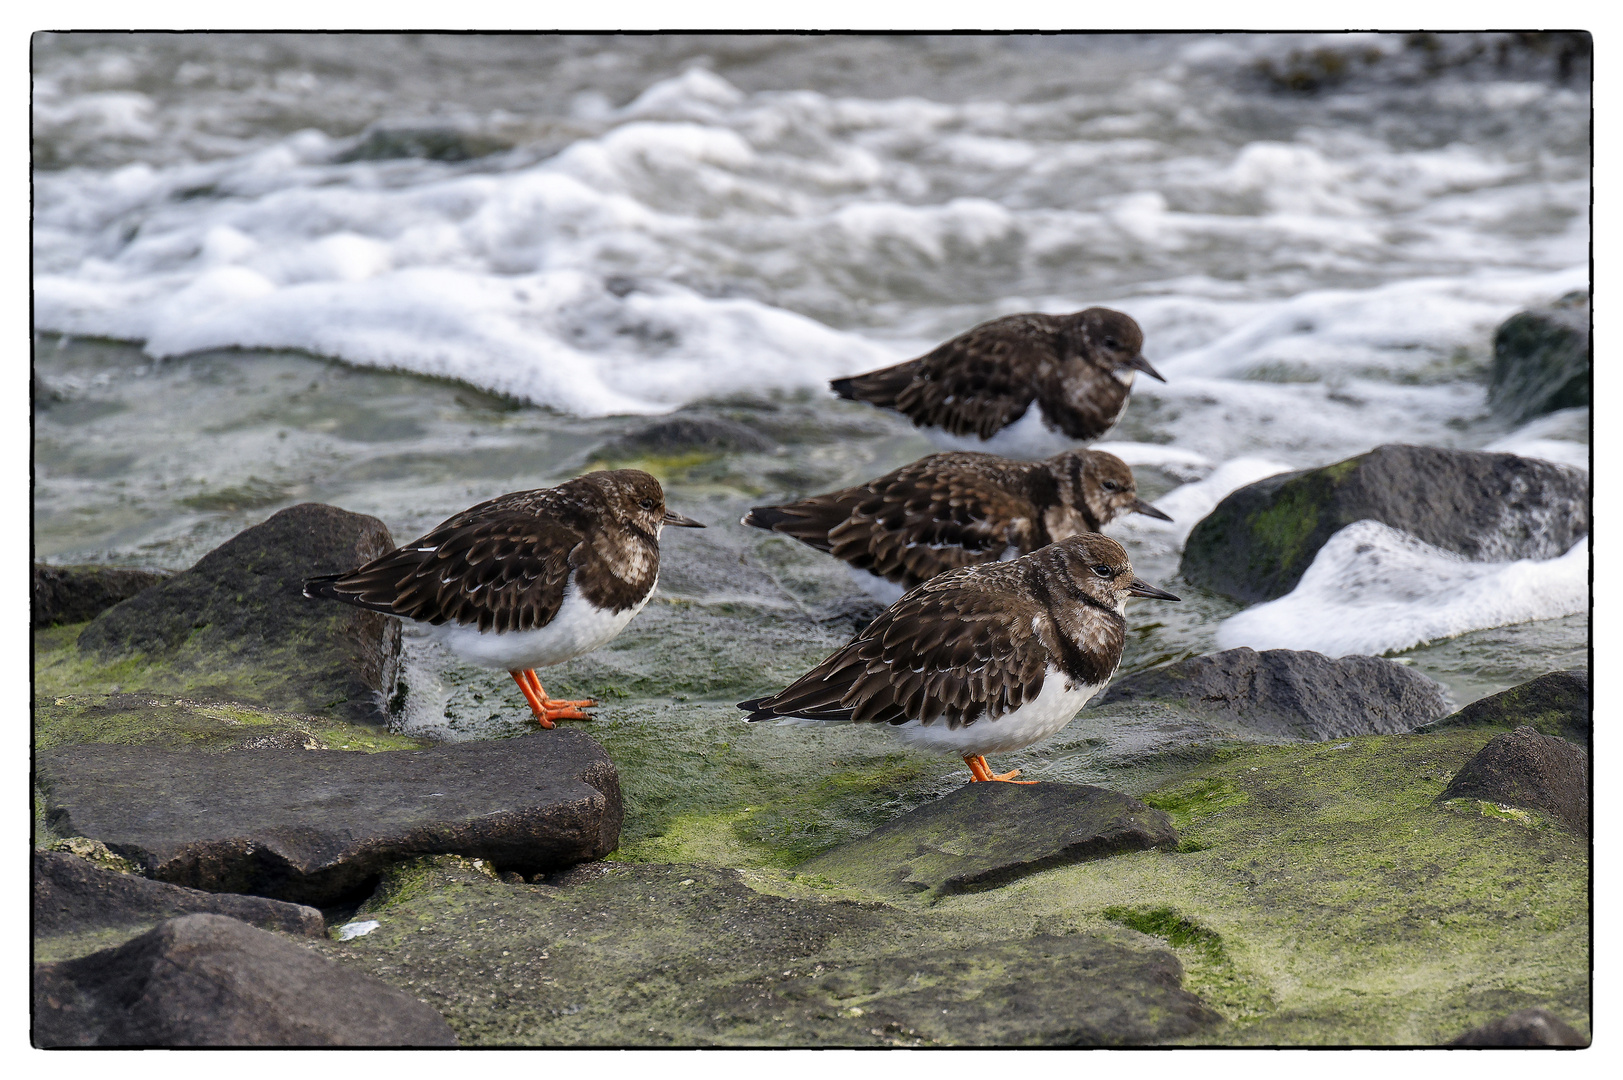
(977, 391)
(957, 509)
(525, 580)
(984, 659)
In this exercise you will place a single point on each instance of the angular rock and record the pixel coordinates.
(1297, 694)
(316, 826)
(1529, 1027)
(680, 434)
(1524, 768)
(1555, 704)
(1541, 360)
(985, 835)
(209, 980)
(1487, 507)
(237, 625)
(636, 954)
(70, 594)
(73, 895)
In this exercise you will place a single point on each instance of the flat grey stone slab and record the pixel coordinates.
(988, 834)
(1525, 768)
(1292, 693)
(315, 826)
(209, 980)
(72, 895)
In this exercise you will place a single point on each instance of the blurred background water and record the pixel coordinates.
(402, 274)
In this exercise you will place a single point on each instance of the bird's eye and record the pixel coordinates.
(1103, 571)
(1109, 485)
(1112, 343)
(646, 504)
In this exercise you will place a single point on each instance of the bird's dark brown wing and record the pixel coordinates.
(498, 569)
(976, 384)
(944, 653)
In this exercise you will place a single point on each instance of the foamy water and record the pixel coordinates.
(1314, 277)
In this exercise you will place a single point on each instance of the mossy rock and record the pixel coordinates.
(1260, 540)
(1555, 704)
(1541, 360)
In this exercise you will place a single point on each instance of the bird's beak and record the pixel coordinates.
(1140, 364)
(1142, 507)
(1148, 591)
(673, 518)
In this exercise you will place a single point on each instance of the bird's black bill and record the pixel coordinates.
(1142, 507)
(1148, 591)
(1138, 363)
(673, 518)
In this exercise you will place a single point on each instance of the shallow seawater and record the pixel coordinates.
(254, 290)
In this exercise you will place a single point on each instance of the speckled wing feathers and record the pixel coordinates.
(949, 652)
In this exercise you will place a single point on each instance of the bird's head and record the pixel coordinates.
(1112, 341)
(635, 498)
(1100, 568)
(1101, 483)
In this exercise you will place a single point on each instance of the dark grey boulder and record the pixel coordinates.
(988, 834)
(1529, 1027)
(317, 826)
(70, 594)
(72, 895)
(237, 625)
(1541, 360)
(1524, 768)
(1290, 693)
(429, 143)
(1555, 704)
(682, 434)
(209, 980)
(1259, 540)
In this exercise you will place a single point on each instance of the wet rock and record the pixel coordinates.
(1296, 694)
(1488, 507)
(1555, 704)
(685, 434)
(73, 895)
(1359, 63)
(985, 835)
(237, 626)
(628, 954)
(1524, 768)
(430, 143)
(1541, 360)
(70, 594)
(317, 826)
(209, 980)
(1529, 1027)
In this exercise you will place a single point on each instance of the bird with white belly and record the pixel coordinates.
(525, 580)
(980, 660)
(1026, 385)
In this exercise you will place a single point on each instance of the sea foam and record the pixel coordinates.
(1372, 589)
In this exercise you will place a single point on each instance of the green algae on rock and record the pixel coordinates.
(1555, 704)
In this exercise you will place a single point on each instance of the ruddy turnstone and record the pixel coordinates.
(526, 580)
(983, 659)
(957, 509)
(975, 392)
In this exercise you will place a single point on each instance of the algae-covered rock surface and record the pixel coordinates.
(1259, 540)
(1524, 768)
(1291, 693)
(238, 623)
(1556, 704)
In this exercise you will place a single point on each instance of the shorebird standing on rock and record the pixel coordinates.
(957, 509)
(526, 580)
(976, 391)
(984, 659)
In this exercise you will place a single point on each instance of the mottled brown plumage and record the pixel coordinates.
(980, 658)
(1077, 368)
(959, 509)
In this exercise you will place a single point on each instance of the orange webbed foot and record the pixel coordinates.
(980, 772)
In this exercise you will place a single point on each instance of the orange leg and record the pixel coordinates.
(980, 771)
(548, 709)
